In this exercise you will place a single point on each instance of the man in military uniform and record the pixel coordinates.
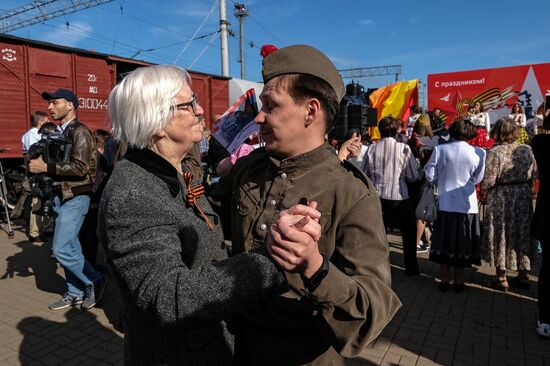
(334, 311)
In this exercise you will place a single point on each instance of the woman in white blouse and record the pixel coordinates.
(518, 116)
(456, 167)
(480, 117)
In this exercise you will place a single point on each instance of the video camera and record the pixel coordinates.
(54, 147)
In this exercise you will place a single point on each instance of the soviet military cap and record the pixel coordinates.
(302, 59)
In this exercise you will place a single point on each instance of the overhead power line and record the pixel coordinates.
(40, 11)
(197, 31)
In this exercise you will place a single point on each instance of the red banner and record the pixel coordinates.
(496, 89)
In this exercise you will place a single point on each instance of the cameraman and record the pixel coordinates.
(36, 222)
(85, 285)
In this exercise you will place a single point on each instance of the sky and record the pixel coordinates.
(424, 37)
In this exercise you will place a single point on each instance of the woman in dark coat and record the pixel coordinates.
(539, 227)
(163, 241)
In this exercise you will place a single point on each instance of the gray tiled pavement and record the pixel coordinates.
(477, 327)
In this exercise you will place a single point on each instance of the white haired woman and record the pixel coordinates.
(162, 239)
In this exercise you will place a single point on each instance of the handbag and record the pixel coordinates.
(428, 205)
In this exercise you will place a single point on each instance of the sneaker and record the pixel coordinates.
(37, 240)
(421, 247)
(93, 293)
(66, 301)
(543, 329)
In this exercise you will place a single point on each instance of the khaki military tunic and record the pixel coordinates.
(354, 302)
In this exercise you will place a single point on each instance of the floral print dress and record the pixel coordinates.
(508, 181)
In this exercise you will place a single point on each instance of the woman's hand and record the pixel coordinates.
(350, 148)
(292, 242)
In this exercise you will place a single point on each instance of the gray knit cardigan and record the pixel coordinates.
(175, 280)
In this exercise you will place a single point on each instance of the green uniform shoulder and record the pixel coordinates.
(358, 173)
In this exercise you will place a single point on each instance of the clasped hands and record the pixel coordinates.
(292, 240)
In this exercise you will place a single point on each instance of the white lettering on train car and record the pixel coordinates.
(92, 103)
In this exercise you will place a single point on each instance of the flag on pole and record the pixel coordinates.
(237, 123)
(395, 99)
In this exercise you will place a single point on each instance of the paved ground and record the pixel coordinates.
(477, 327)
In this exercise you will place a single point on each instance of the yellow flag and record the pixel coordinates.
(395, 99)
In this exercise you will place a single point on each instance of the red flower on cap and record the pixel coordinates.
(268, 49)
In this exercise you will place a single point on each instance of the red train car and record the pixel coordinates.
(27, 68)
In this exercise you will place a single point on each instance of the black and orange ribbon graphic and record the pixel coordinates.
(192, 194)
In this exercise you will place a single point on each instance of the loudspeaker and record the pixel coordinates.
(372, 118)
(340, 130)
(357, 116)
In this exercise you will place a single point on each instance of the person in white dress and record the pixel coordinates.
(518, 116)
(480, 117)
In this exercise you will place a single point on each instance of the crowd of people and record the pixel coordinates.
(475, 166)
(287, 276)
(275, 252)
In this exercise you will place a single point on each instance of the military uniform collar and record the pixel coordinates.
(156, 165)
(306, 160)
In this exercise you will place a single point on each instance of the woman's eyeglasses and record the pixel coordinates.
(193, 103)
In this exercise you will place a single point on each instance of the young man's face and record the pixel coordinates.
(282, 120)
(59, 109)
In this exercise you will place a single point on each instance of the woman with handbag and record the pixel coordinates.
(422, 142)
(456, 168)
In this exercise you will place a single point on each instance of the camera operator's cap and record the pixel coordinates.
(61, 93)
(302, 59)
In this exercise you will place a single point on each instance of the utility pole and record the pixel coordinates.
(223, 39)
(241, 12)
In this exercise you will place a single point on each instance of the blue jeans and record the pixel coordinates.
(66, 246)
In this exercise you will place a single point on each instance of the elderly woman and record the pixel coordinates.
(509, 182)
(456, 168)
(163, 241)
